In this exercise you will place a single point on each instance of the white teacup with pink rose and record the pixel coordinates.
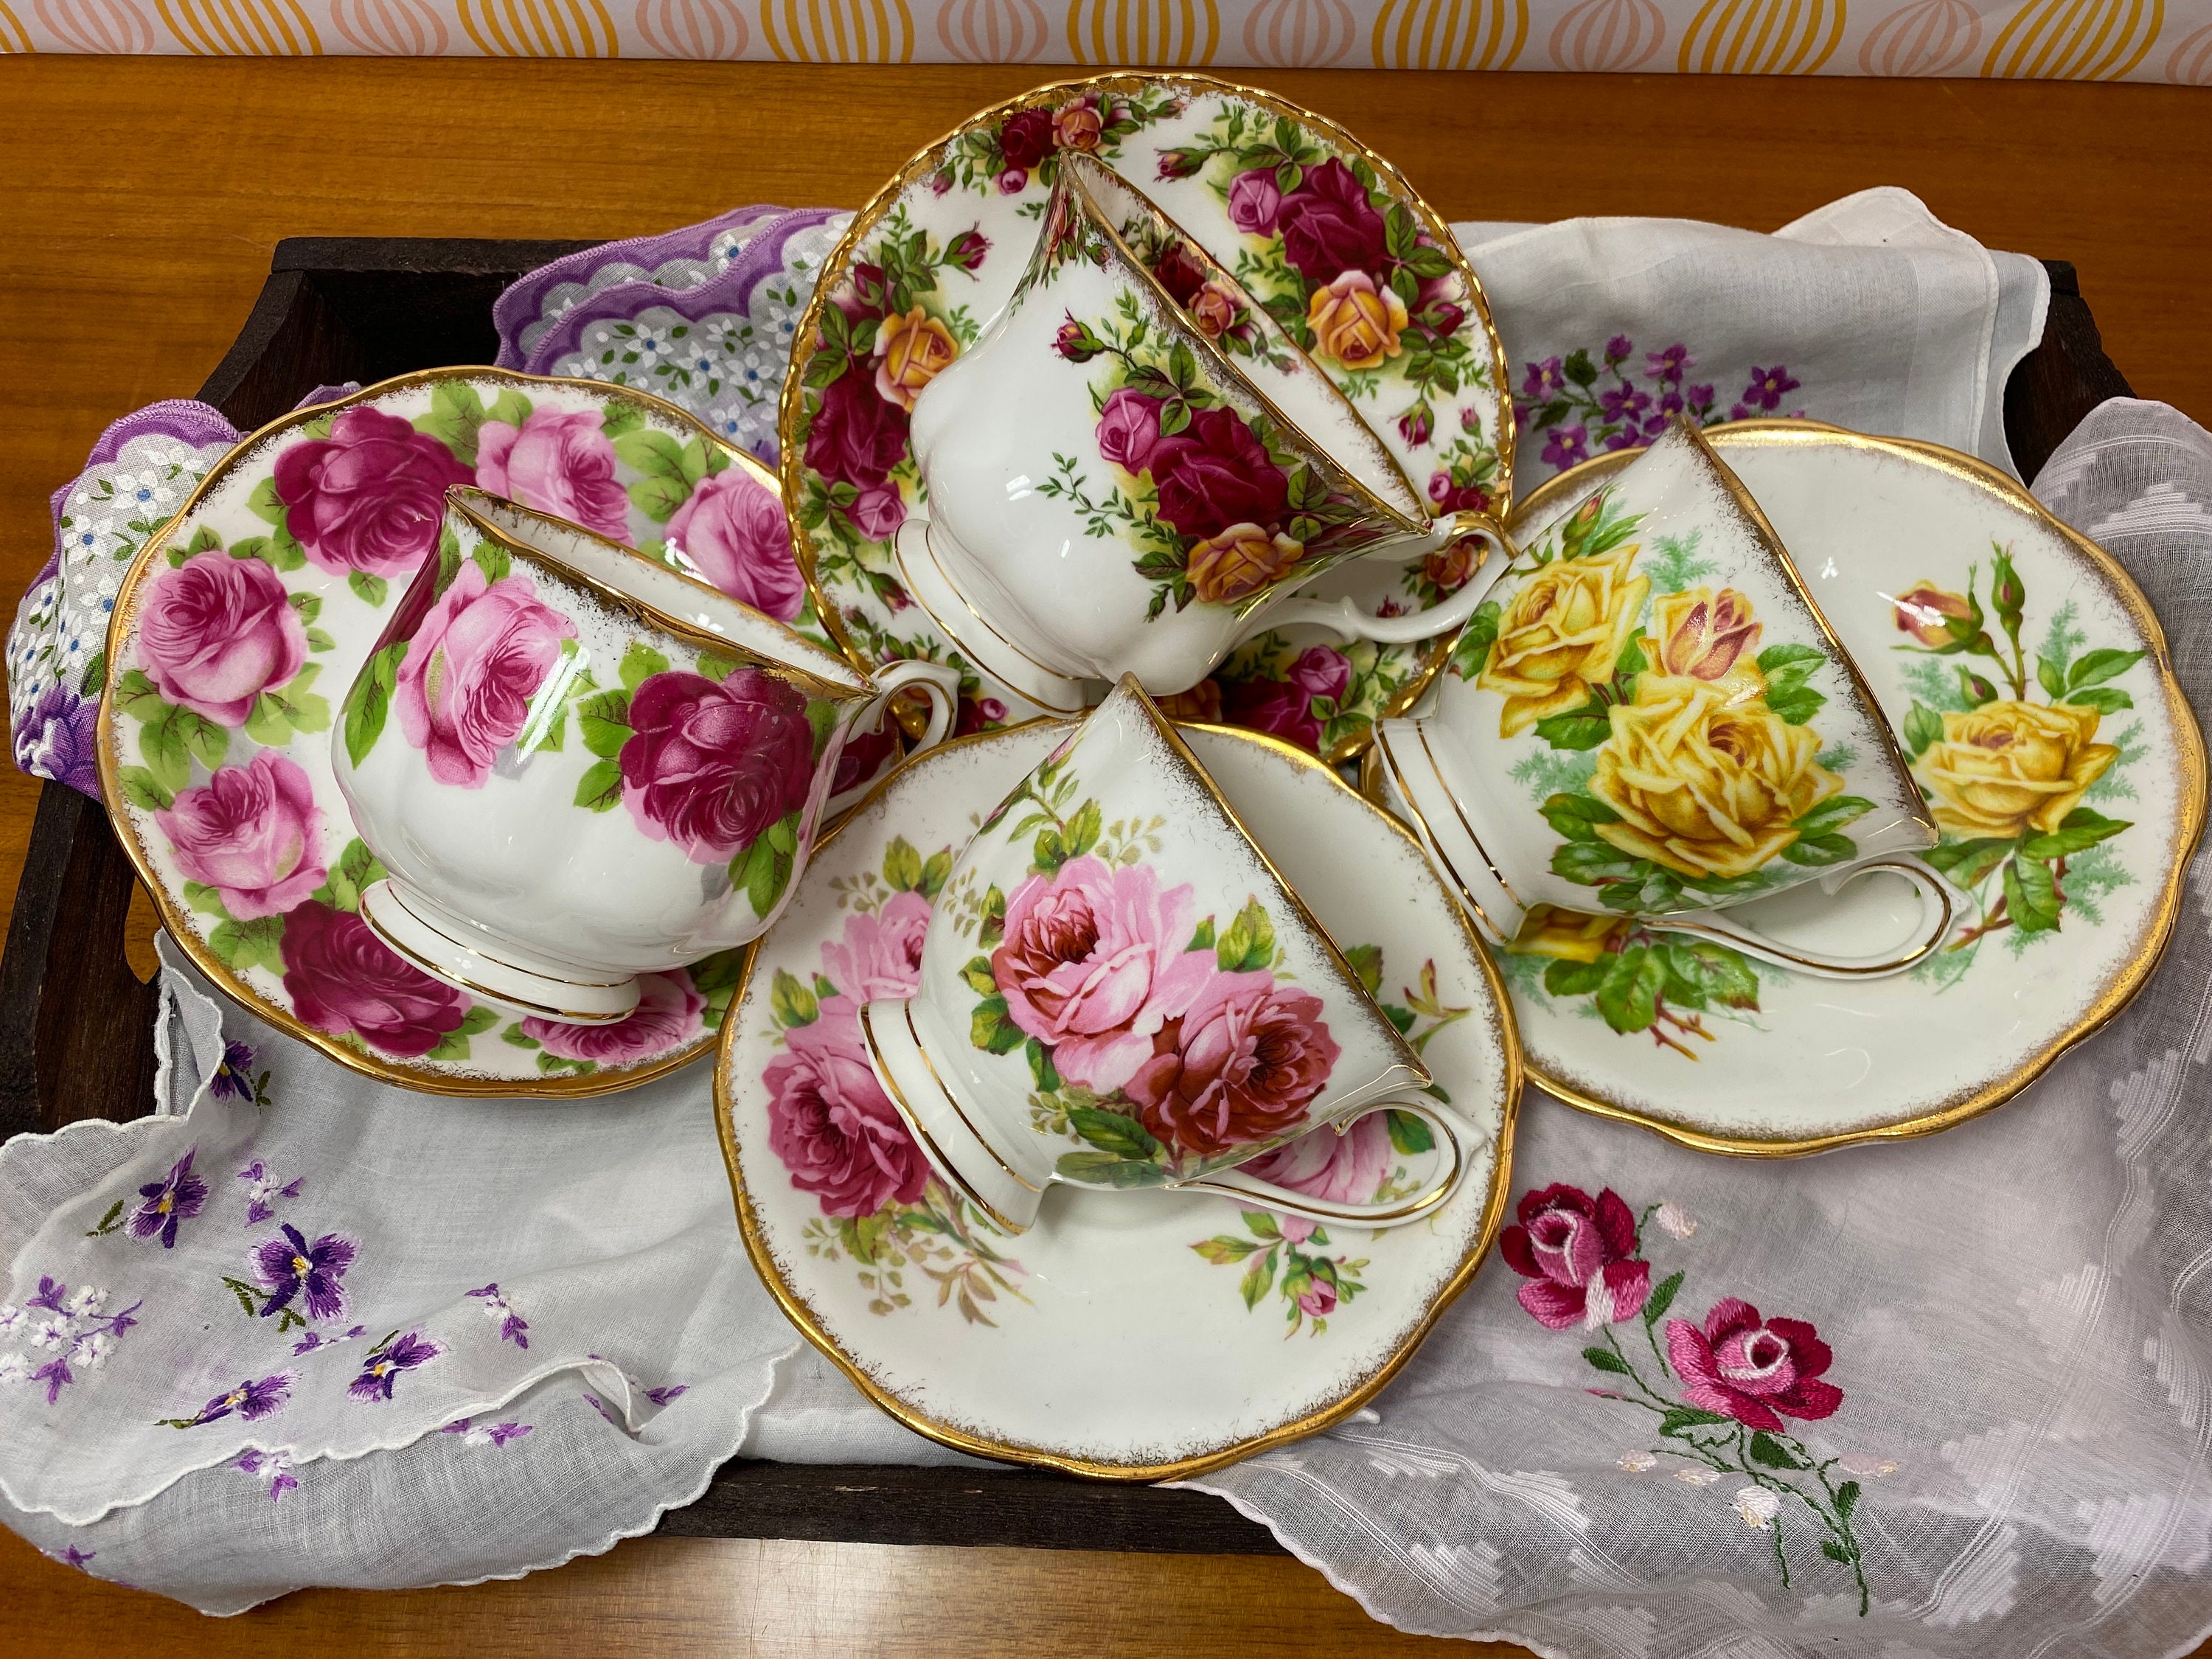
(578, 766)
(1118, 990)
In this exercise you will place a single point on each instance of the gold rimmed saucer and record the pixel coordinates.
(926, 263)
(1130, 1335)
(2079, 897)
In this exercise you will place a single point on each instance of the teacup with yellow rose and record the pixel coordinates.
(1136, 468)
(1652, 718)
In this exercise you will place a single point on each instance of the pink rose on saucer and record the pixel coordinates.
(1337, 1169)
(217, 633)
(471, 668)
(880, 956)
(831, 1123)
(1254, 196)
(370, 498)
(666, 1016)
(711, 767)
(250, 832)
(1129, 429)
(1095, 962)
(559, 462)
(344, 980)
(1243, 1065)
(733, 529)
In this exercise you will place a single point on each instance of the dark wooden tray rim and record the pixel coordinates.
(76, 1025)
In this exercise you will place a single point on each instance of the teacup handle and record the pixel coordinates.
(1345, 618)
(1454, 1132)
(940, 682)
(1943, 906)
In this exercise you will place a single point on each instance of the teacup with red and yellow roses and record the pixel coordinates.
(1136, 468)
(577, 765)
(1652, 718)
(1119, 990)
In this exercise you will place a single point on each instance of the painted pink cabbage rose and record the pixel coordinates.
(558, 462)
(1095, 962)
(250, 832)
(1284, 707)
(734, 529)
(880, 956)
(217, 633)
(344, 980)
(711, 767)
(666, 1017)
(474, 663)
(1336, 1169)
(831, 1123)
(370, 498)
(1756, 1371)
(1579, 1254)
(1243, 1065)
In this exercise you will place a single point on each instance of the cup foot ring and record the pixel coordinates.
(505, 977)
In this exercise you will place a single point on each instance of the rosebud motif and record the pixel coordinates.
(966, 250)
(1076, 343)
(2006, 591)
(1926, 612)
(1416, 425)
(1181, 163)
(1703, 636)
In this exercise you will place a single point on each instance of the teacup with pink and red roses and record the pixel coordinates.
(1118, 990)
(578, 766)
(1136, 467)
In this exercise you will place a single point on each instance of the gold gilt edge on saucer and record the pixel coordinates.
(801, 1313)
(2159, 928)
(128, 599)
(790, 411)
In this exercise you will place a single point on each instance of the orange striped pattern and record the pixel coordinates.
(2075, 39)
(13, 37)
(240, 28)
(693, 28)
(1608, 34)
(540, 28)
(838, 30)
(1179, 33)
(391, 28)
(1929, 37)
(993, 31)
(1762, 37)
(1450, 34)
(1300, 33)
(2191, 65)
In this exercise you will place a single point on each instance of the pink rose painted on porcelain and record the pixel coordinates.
(474, 663)
(879, 959)
(711, 766)
(370, 496)
(830, 1122)
(344, 980)
(1254, 198)
(1095, 962)
(734, 529)
(559, 462)
(217, 633)
(1129, 429)
(251, 833)
(667, 1016)
(1579, 1254)
(1336, 1169)
(1756, 1371)
(1244, 1065)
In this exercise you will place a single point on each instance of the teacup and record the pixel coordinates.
(1120, 480)
(577, 765)
(1119, 990)
(1655, 720)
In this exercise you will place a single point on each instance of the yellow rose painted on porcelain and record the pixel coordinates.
(1562, 635)
(1707, 781)
(911, 351)
(2009, 767)
(1566, 935)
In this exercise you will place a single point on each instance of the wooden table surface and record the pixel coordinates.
(138, 208)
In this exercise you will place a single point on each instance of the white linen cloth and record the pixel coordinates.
(2017, 1307)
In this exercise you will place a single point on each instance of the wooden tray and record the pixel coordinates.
(77, 1026)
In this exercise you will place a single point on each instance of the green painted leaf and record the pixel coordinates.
(1045, 1075)
(1923, 726)
(1705, 975)
(2081, 828)
(622, 415)
(2051, 679)
(1967, 862)
(1629, 998)
(1257, 1281)
(1819, 851)
(1115, 1133)
(1084, 829)
(603, 719)
(1249, 943)
(1576, 978)
(495, 560)
(519, 1037)
(2032, 894)
(2104, 699)
(357, 868)
(767, 873)
(639, 664)
(600, 790)
(512, 407)
(1202, 938)
(1578, 728)
(369, 588)
(1411, 1135)
(256, 943)
(1366, 962)
(1220, 1251)
(1834, 813)
(1786, 666)
(264, 504)
(1261, 1225)
(1794, 704)
(979, 976)
(143, 790)
(456, 416)
(369, 701)
(901, 864)
(791, 1002)
(1576, 816)
(936, 869)
(1106, 1170)
(2094, 668)
(1594, 863)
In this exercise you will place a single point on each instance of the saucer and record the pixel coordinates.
(1137, 1335)
(950, 236)
(251, 706)
(1720, 1052)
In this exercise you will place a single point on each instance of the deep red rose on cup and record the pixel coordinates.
(857, 436)
(218, 632)
(1579, 1254)
(1027, 138)
(1215, 473)
(1244, 1065)
(370, 496)
(1756, 1371)
(711, 766)
(344, 980)
(831, 1123)
(1327, 225)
